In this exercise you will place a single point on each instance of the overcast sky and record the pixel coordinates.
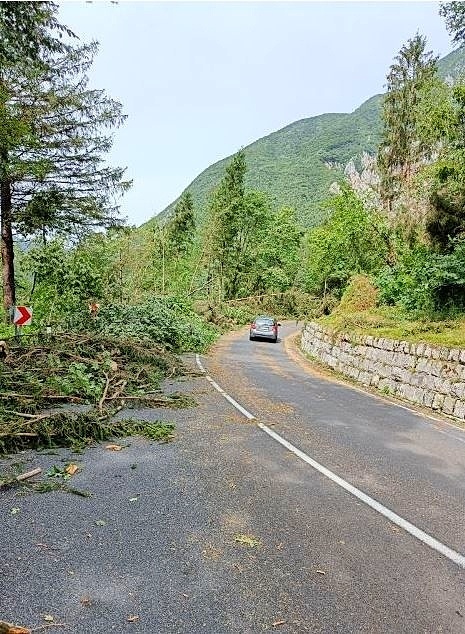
(198, 80)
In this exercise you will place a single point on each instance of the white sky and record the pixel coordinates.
(198, 80)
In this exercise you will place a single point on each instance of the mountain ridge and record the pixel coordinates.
(290, 164)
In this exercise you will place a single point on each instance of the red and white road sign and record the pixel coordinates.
(22, 316)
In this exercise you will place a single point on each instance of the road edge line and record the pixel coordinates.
(219, 389)
(407, 526)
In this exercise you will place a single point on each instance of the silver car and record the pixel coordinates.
(264, 327)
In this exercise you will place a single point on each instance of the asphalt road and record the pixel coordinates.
(224, 530)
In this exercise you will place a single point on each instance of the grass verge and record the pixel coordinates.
(393, 323)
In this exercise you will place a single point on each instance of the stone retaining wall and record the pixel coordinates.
(427, 375)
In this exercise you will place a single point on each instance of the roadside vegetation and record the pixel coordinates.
(386, 257)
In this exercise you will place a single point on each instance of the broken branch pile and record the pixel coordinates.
(101, 373)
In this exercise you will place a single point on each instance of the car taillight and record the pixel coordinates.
(253, 326)
(275, 328)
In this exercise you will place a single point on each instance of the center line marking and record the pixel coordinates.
(407, 526)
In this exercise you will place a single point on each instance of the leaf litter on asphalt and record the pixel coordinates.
(247, 540)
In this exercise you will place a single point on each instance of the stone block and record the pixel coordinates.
(438, 401)
(442, 386)
(413, 394)
(375, 379)
(416, 379)
(401, 374)
(420, 349)
(364, 378)
(427, 351)
(454, 354)
(459, 409)
(387, 386)
(428, 398)
(352, 372)
(388, 344)
(458, 390)
(451, 370)
(448, 405)
(444, 353)
(436, 368)
(401, 346)
(423, 365)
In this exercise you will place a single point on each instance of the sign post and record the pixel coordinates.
(22, 316)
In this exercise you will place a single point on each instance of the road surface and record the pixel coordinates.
(226, 530)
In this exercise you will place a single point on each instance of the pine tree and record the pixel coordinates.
(55, 132)
(227, 209)
(181, 228)
(401, 150)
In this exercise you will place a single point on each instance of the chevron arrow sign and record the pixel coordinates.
(22, 316)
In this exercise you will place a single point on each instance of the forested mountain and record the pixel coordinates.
(291, 164)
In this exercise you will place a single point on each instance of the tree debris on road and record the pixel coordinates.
(100, 374)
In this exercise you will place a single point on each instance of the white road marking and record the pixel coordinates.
(199, 363)
(222, 392)
(407, 526)
(454, 556)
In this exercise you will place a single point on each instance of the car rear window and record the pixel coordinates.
(264, 321)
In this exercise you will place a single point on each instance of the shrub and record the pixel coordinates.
(165, 320)
(360, 294)
(426, 281)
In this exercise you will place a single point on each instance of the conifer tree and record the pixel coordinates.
(55, 132)
(181, 228)
(227, 209)
(401, 149)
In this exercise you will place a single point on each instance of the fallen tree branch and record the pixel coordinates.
(20, 478)
(105, 391)
(58, 397)
(28, 474)
(142, 397)
(34, 417)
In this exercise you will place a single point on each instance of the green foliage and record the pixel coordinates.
(65, 279)
(55, 133)
(169, 321)
(425, 281)
(230, 223)
(441, 117)
(79, 379)
(353, 240)
(401, 149)
(181, 228)
(70, 429)
(277, 257)
(454, 17)
(360, 294)
(26, 29)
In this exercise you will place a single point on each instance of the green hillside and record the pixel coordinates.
(290, 164)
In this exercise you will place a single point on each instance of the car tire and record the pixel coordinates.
(275, 340)
(251, 338)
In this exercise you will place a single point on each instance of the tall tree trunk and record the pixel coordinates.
(8, 270)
